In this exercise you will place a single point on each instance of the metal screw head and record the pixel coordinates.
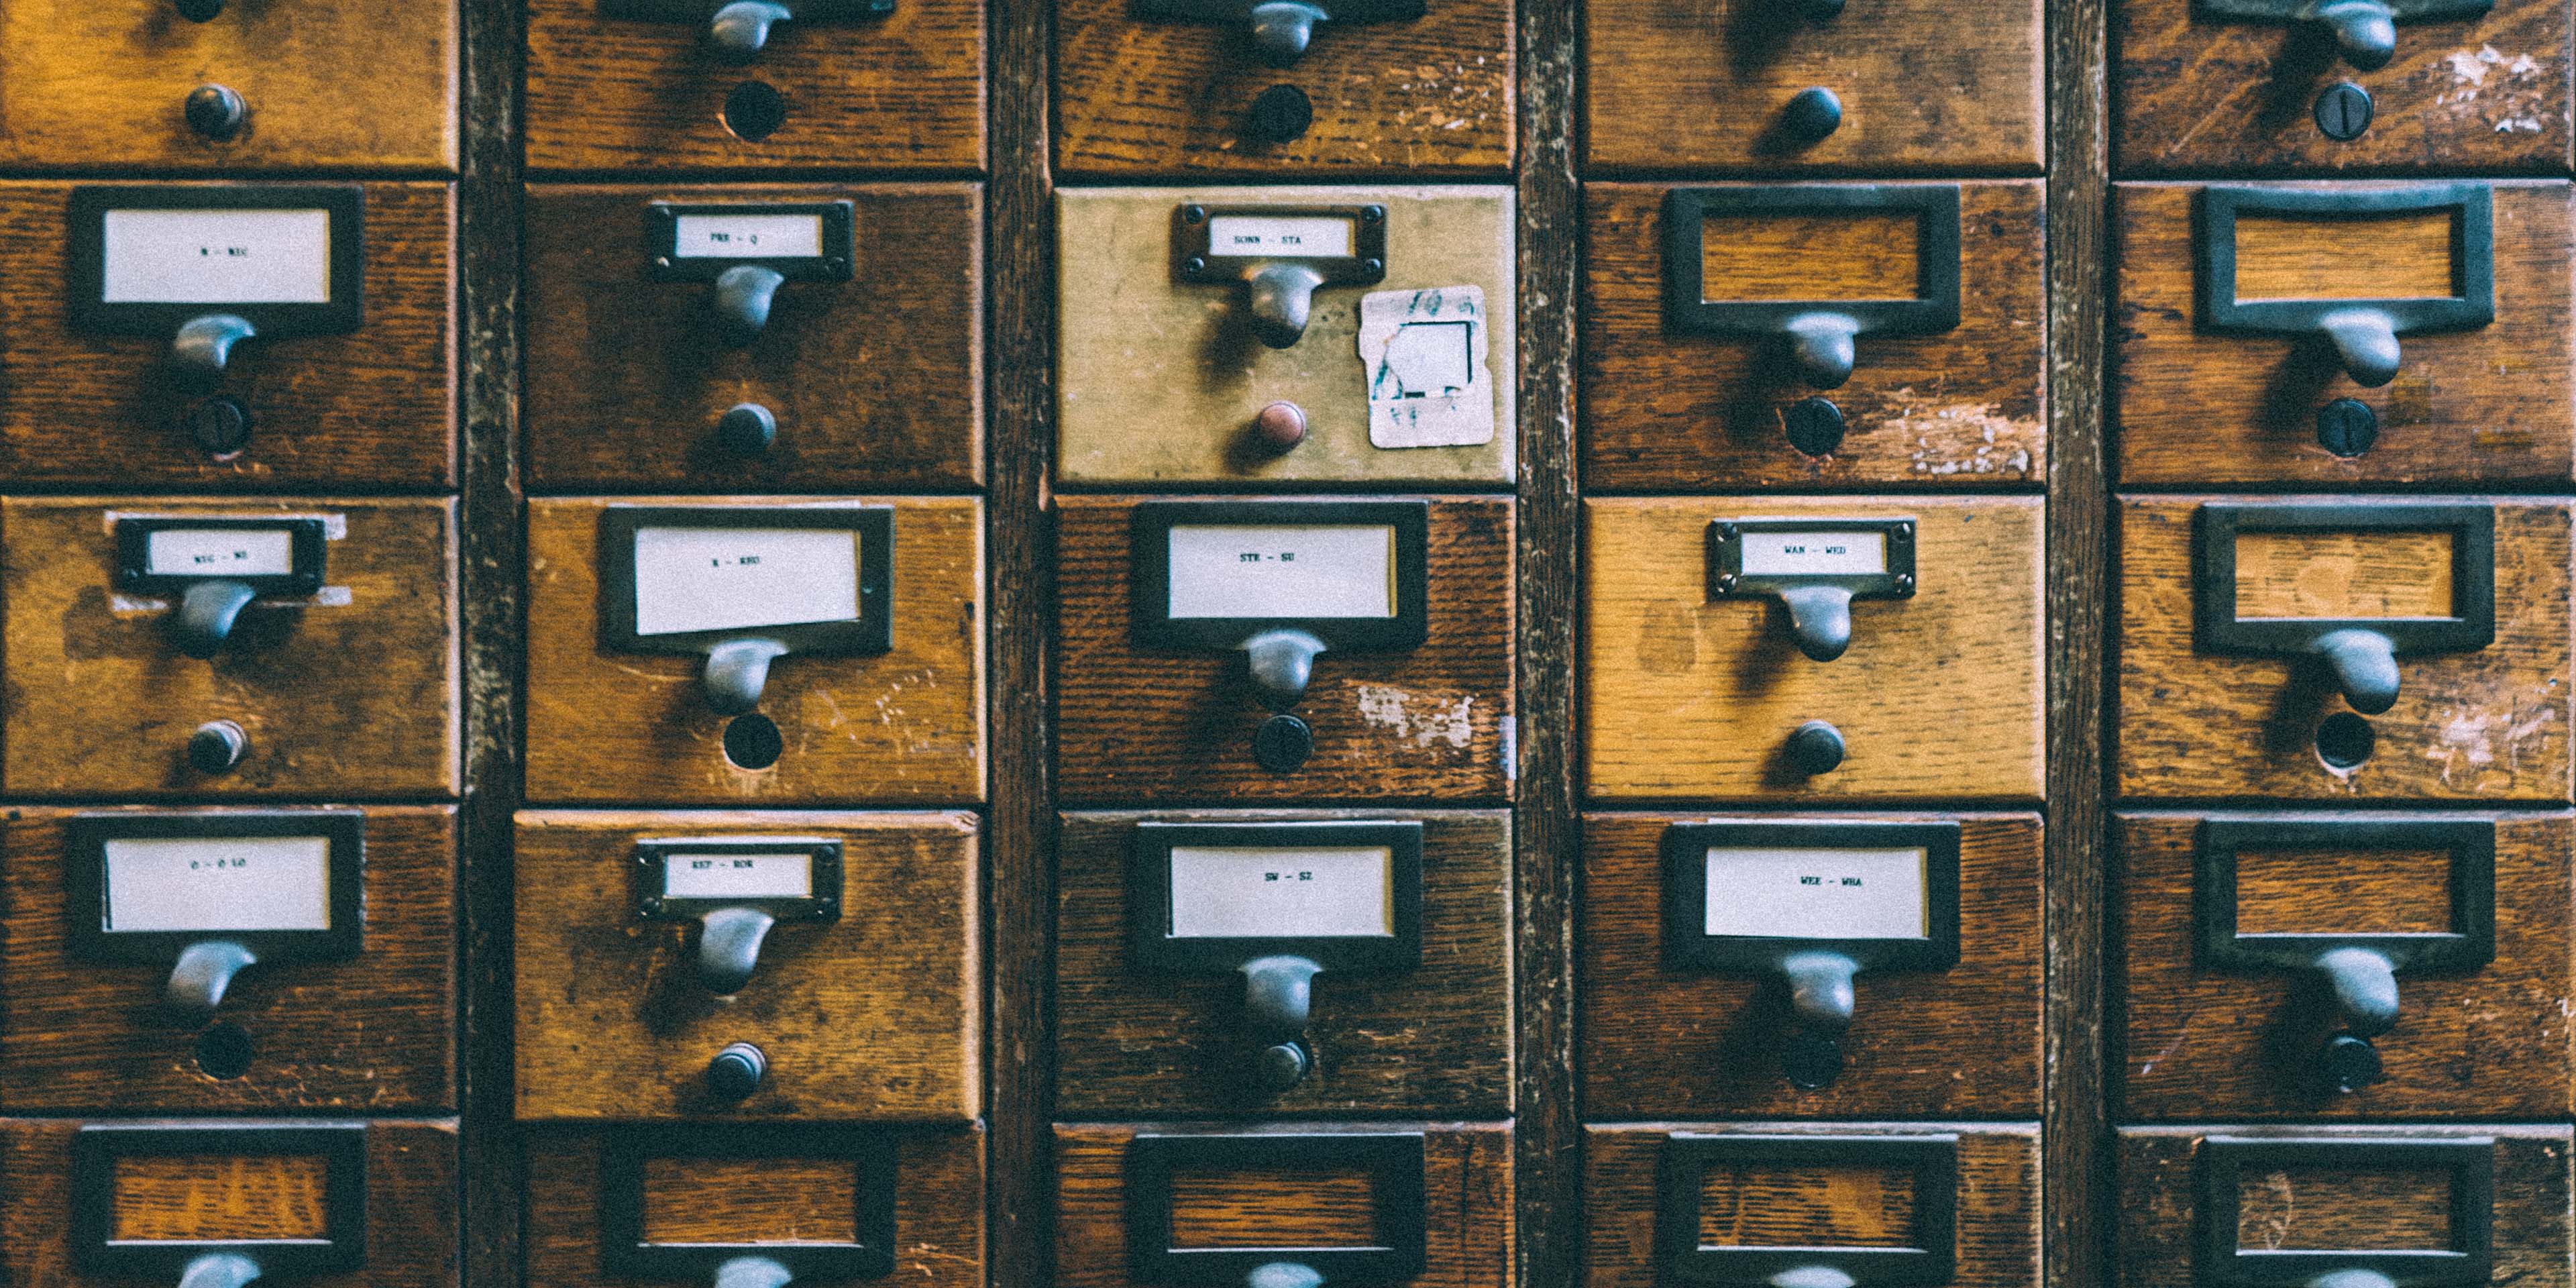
(1726, 532)
(219, 426)
(661, 261)
(2344, 111)
(215, 111)
(1193, 214)
(1372, 214)
(1282, 743)
(1814, 426)
(1905, 581)
(1280, 114)
(1373, 265)
(1726, 581)
(2347, 427)
(1193, 265)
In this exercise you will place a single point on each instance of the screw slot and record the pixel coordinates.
(2343, 111)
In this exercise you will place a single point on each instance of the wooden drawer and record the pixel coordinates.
(1687, 1002)
(1168, 374)
(1692, 693)
(904, 90)
(2232, 379)
(862, 1000)
(1155, 708)
(342, 84)
(1711, 87)
(1698, 390)
(871, 376)
(1380, 1203)
(346, 689)
(1153, 1021)
(884, 707)
(2254, 711)
(1773, 1197)
(318, 399)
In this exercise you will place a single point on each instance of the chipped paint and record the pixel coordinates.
(1938, 432)
(2474, 742)
(1418, 718)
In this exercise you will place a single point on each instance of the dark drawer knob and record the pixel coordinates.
(1280, 1066)
(1281, 662)
(2364, 664)
(2350, 1063)
(2366, 31)
(741, 30)
(1811, 114)
(204, 972)
(1282, 743)
(219, 426)
(1821, 10)
(729, 942)
(1281, 29)
(200, 10)
(1815, 748)
(746, 429)
(215, 111)
(1280, 426)
(217, 746)
(1280, 114)
(736, 1072)
(218, 1269)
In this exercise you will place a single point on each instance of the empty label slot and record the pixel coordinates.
(751, 1200)
(1274, 1207)
(2347, 892)
(2321, 1210)
(200, 1198)
(1812, 256)
(1778, 1205)
(2405, 255)
(2343, 575)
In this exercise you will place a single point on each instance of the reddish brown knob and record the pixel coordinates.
(1280, 426)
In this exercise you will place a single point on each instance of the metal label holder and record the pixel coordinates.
(625, 1252)
(1689, 946)
(1194, 260)
(307, 548)
(2218, 629)
(2218, 946)
(823, 863)
(2472, 249)
(1150, 577)
(1149, 898)
(871, 632)
(1935, 306)
(1338, 12)
(1394, 1158)
(2224, 1160)
(85, 881)
(834, 264)
(87, 244)
(341, 1249)
(1687, 1157)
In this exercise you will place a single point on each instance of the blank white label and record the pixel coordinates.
(1293, 236)
(219, 883)
(217, 257)
(738, 876)
(1285, 570)
(1228, 893)
(1822, 552)
(729, 236)
(1817, 894)
(219, 552)
(720, 579)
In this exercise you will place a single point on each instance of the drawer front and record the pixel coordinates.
(1694, 692)
(1172, 1027)
(1907, 87)
(2268, 717)
(1933, 920)
(2259, 393)
(317, 398)
(868, 375)
(1396, 375)
(837, 720)
(650, 945)
(345, 689)
(900, 89)
(127, 84)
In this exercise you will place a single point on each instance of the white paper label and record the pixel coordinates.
(720, 579)
(1821, 552)
(1285, 570)
(216, 257)
(219, 552)
(219, 883)
(738, 236)
(1227, 893)
(1424, 356)
(738, 876)
(1817, 894)
(1298, 236)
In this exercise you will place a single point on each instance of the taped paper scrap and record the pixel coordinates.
(1424, 353)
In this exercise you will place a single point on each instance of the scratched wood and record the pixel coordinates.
(1663, 411)
(370, 409)
(2344, 574)
(1997, 1231)
(751, 1200)
(875, 1015)
(1466, 1200)
(2293, 1208)
(1701, 84)
(898, 728)
(354, 700)
(1661, 1042)
(2490, 405)
(876, 382)
(2480, 95)
(2200, 1044)
(2484, 725)
(1429, 96)
(2159, 1189)
(1773, 1205)
(1138, 725)
(374, 1034)
(1433, 1039)
(204, 1197)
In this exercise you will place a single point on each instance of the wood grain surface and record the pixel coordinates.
(1774, 1205)
(751, 1200)
(207, 1197)
(2291, 1208)
(354, 700)
(1810, 257)
(1686, 696)
(2484, 725)
(2282, 257)
(1660, 1041)
(2344, 574)
(372, 409)
(875, 1016)
(1433, 1039)
(898, 728)
(2286, 892)
(1958, 408)
(2490, 406)
(1274, 1207)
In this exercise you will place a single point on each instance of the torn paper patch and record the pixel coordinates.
(1424, 352)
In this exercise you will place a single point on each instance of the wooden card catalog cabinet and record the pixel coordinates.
(1902, 86)
(749, 339)
(1863, 648)
(770, 650)
(1284, 650)
(1284, 963)
(1844, 967)
(2306, 648)
(1393, 1204)
(1286, 335)
(1803, 1203)
(2343, 334)
(1800, 334)
(199, 647)
(2334, 965)
(201, 85)
(252, 336)
(763, 965)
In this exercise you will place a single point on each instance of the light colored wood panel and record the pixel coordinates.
(2321, 892)
(212, 1197)
(2343, 574)
(1778, 1206)
(2406, 255)
(751, 1200)
(1809, 257)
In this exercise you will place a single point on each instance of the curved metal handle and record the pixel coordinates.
(200, 10)
(2365, 341)
(204, 971)
(1820, 618)
(1281, 29)
(1812, 1277)
(729, 947)
(2352, 1279)
(1282, 296)
(219, 1270)
(1282, 662)
(2366, 30)
(206, 615)
(743, 295)
(1820, 989)
(1283, 1274)
(753, 1272)
(2365, 989)
(737, 671)
(1821, 10)
(2365, 668)
(1278, 994)
(205, 344)
(1821, 343)
(741, 29)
